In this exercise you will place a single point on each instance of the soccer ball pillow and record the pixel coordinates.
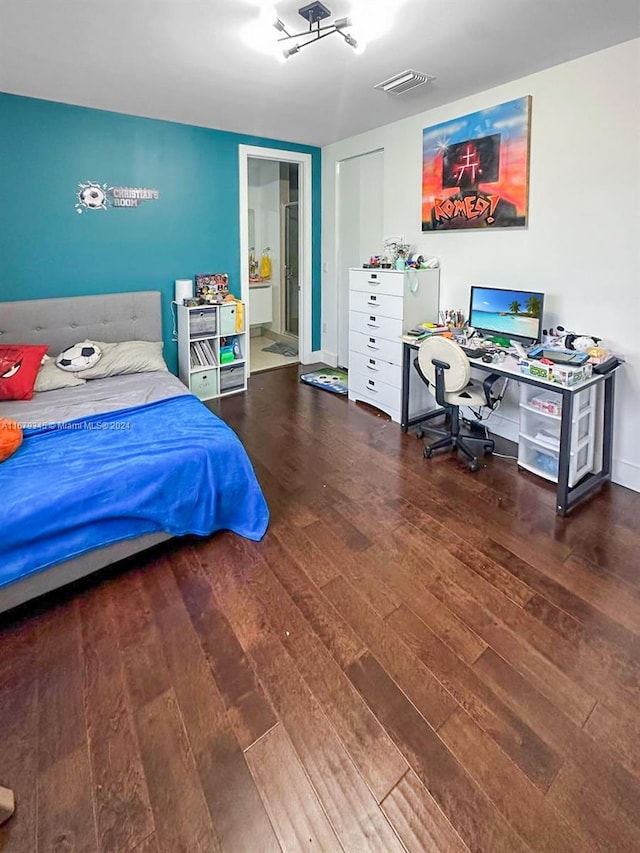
(78, 357)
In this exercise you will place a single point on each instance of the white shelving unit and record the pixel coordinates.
(206, 336)
(383, 304)
(539, 443)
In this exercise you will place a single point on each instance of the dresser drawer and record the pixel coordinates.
(390, 282)
(375, 368)
(386, 397)
(373, 346)
(378, 303)
(375, 324)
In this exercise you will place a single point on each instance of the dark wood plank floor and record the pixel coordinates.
(414, 657)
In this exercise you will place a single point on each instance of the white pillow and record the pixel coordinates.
(125, 357)
(50, 377)
(79, 357)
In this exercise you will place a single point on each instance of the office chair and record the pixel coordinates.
(446, 369)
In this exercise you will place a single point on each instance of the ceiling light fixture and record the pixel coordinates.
(403, 81)
(314, 14)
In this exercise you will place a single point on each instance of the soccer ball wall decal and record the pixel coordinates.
(78, 357)
(91, 196)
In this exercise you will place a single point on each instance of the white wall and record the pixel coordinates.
(582, 244)
(359, 224)
(264, 199)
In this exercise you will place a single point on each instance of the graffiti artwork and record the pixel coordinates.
(475, 169)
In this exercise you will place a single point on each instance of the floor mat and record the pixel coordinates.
(329, 379)
(282, 349)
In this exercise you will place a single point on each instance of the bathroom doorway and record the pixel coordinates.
(277, 281)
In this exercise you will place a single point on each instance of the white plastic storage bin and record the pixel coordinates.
(540, 422)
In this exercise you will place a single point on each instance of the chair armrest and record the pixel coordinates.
(487, 386)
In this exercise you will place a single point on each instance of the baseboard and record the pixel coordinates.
(499, 424)
(322, 356)
(626, 474)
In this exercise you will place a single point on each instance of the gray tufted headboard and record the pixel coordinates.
(110, 317)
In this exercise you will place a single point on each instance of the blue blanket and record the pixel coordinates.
(168, 466)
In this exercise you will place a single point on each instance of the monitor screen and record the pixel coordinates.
(513, 314)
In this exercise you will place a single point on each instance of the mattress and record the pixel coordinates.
(95, 397)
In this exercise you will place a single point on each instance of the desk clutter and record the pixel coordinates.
(551, 362)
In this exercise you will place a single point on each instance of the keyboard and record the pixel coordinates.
(473, 352)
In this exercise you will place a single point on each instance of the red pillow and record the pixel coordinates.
(19, 365)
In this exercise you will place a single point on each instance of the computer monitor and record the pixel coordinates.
(513, 314)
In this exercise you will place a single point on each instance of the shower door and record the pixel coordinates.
(291, 272)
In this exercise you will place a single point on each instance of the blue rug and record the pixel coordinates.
(328, 379)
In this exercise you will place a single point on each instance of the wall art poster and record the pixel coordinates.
(475, 169)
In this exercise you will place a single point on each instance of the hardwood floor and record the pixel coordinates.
(414, 657)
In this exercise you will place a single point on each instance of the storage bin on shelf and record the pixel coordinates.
(203, 321)
(231, 377)
(204, 383)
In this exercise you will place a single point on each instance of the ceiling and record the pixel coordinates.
(186, 61)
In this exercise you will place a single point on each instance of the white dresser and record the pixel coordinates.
(383, 304)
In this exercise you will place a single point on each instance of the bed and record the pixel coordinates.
(115, 466)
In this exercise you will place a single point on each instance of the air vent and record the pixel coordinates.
(403, 81)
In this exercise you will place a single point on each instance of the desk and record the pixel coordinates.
(566, 497)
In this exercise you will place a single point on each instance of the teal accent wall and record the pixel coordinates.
(47, 249)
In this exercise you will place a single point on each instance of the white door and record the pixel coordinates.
(359, 228)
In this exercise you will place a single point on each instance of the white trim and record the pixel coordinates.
(329, 358)
(305, 307)
(626, 474)
(319, 355)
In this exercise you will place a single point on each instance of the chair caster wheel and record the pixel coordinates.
(427, 453)
(488, 449)
(473, 466)
(419, 433)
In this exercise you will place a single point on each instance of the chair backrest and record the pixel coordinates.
(456, 376)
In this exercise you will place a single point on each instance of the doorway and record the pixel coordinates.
(275, 237)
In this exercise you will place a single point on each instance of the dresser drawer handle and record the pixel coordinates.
(371, 346)
(371, 367)
(375, 283)
(371, 386)
(372, 302)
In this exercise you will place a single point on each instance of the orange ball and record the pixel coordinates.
(10, 438)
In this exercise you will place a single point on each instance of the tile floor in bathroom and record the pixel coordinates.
(267, 360)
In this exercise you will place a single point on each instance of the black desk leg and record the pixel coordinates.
(607, 430)
(406, 379)
(564, 459)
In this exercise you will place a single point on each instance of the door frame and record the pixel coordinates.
(304, 211)
(283, 255)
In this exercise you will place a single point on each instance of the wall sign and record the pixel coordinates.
(475, 169)
(92, 195)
